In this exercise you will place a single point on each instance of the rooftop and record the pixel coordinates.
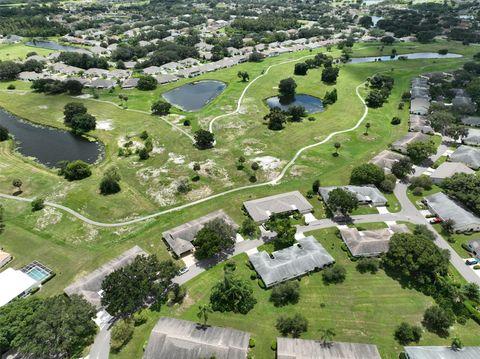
(180, 339)
(447, 208)
(365, 194)
(14, 283)
(370, 242)
(442, 353)
(386, 159)
(291, 262)
(448, 169)
(467, 155)
(261, 209)
(288, 348)
(90, 285)
(179, 238)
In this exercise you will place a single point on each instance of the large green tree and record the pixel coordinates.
(204, 139)
(286, 88)
(415, 259)
(294, 325)
(232, 294)
(276, 119)
(419, 151)
(214, 238)
(342, 200)
(367, 173)
(465, 188)
(71, 110)
(59, 328)
(142, 282)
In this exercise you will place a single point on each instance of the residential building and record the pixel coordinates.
(306, 256)
(290, 348)
(14, 283)
(5, 257)
(467, 155)
(473, 137)
(474, 246)
(261, 209)
(386, 159)
(90, 286)
(179, 239)
(180, 339)
(446, 208)
(366, 195)
(411, 137)
(473, 121)
(441, 353)
(448, 169)
(370, 243)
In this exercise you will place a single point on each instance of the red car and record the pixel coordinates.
(436, 220)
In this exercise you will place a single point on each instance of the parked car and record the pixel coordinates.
(436, 220)
(182, 270)
(471, 262)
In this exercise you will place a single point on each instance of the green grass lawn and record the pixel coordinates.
(369, 226)
(416, 199)
(19, 51)
(146, 186)
(365, 308)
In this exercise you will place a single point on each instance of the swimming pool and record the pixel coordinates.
(37, 271)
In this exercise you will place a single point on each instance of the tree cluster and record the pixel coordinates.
(214, 238)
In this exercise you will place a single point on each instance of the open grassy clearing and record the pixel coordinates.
(376, 305)
(151, 184)
(19, 51)
(145, 186)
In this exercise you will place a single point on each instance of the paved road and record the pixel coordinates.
(100, 348)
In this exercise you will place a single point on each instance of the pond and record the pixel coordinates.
(195, 95)
(52, 45)
(311, 104)
(414, 56)
(49, 145)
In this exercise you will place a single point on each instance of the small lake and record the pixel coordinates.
(195, 95)
(414, 56)
(311, 104)
(49, 145)
(52, 45)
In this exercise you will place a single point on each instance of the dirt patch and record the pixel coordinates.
(165, 195)
(176, 158)
(105, 125)
(132, 144)
(50, 216)
(270, 165)
(199, 193)
(150, 173)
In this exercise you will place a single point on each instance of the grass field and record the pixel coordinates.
(365, 308)
(147, 186)
(19, 51)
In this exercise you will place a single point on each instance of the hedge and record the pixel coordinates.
(474, 313)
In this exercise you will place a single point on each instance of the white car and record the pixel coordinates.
(183, 270)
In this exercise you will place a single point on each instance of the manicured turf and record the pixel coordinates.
(365, 308)
(19, 51)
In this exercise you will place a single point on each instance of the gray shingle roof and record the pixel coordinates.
(401, 144)
(179, 238)
(419, 106)
(471, 120)
(447, 208)
(473, 137)
(370, 242)
(386, 159)
(365, 194)
(468, 155)
(180, 339)
(442, 353)
(448, 169)
(90, 285)
(261, 209)
(288, 348)
(291, 262)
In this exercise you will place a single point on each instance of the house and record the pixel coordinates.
(474, 247)
(446, 208)
(370, 243)
(66, 69)
(411, 137)
(14, 284)
(101, 84)
(180, 339)
(171, 66)
(386, 159)
(261, 209)
(448, 169)
(118, 74)
(306, 256)
(467, 155)
(30, 76)
(130, 83)
(94, 72)
(165, 79)
(130, 64)
(152, 70)
(473, 137)
(473, 121)
(366, 195)
(289, 348)
(179, 239)
(441, 353)
(419, 106)
(4, 258)
(90, 286)
(420, 123)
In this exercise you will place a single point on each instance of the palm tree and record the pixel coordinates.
(337, 145)
(327, 335)
(202, 314)
(367, 126)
